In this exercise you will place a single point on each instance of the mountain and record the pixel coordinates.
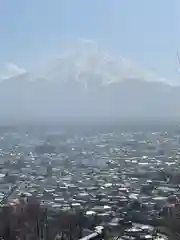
(86, 83)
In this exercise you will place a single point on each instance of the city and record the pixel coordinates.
(64, 184)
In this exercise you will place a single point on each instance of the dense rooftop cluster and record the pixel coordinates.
(56, 184)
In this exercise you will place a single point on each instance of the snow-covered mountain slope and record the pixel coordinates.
(85, 60)
(86, 82)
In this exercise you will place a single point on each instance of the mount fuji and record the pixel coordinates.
(85, 82)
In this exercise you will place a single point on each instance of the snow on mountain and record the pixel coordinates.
(83, 58)
(84, 61)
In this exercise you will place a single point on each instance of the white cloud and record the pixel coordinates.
(11, 70)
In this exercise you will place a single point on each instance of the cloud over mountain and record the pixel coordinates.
(11, 70)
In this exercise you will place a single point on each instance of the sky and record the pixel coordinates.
(148, 32)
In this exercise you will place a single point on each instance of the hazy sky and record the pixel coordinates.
(146, 31)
